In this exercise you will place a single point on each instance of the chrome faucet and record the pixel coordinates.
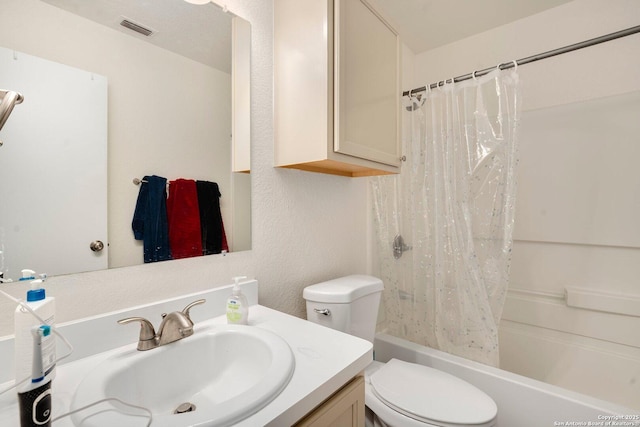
(174, 327)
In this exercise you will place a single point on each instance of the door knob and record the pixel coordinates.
(96, 246)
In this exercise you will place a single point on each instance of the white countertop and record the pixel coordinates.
(325, 360)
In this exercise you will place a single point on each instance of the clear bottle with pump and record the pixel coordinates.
(44, 306)
(237, 305)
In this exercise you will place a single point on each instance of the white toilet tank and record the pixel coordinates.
(348, 304)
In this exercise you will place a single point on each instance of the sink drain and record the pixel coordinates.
(185, 407)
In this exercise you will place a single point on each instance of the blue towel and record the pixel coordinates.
(150, 219)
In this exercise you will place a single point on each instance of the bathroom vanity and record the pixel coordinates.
(324, 387)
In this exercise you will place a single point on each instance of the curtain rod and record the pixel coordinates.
(533, 58)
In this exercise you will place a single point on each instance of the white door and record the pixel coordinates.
(53, 161)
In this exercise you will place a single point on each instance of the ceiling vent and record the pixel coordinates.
(127, 23)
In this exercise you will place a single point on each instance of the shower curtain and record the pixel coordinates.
(453, 204)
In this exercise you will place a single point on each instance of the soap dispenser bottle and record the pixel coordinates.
(25, 321)
(237, 305)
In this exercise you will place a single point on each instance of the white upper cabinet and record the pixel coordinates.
(337, 88)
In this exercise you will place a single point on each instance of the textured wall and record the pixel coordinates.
(307, 227)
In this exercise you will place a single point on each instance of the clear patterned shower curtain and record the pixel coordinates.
(453, 203)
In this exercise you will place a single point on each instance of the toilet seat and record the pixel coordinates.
(426, 396)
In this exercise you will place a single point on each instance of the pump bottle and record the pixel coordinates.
(237, 305)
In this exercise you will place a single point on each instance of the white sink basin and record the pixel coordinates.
(228, 372)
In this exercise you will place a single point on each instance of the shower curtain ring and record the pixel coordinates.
(515, 65)
(474, 75)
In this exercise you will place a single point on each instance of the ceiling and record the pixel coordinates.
(198, 32)
(427, 24)
(203, 33)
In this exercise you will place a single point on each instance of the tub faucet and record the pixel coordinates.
(174, 327)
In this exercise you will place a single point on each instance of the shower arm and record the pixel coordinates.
(8, 99)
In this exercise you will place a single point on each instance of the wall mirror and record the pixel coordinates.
(174, 102)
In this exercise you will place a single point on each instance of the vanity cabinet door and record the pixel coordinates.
(344, 409)
(367, 84)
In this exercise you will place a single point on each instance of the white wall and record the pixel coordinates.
(592, 352)
(306, 227)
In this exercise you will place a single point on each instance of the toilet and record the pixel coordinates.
(397, 393)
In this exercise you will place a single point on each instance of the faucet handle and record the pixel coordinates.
(185, 311)
(147, 332)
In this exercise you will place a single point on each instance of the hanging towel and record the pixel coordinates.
(212, 229)
(150, 219)
(184, 219)
(225, 245)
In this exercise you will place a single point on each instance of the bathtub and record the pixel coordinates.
(522, 401)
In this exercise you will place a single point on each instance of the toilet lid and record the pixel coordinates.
(430, 395)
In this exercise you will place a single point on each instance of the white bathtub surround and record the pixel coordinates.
(522, 402)
(320, 370)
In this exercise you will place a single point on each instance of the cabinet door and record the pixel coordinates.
(367, 84)
(343, 409)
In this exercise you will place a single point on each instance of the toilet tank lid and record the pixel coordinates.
(344, 289)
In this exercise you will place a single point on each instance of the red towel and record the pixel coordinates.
(183, 215)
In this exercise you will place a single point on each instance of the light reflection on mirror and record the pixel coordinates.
(169, 113)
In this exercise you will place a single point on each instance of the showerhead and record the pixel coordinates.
(8, 100)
